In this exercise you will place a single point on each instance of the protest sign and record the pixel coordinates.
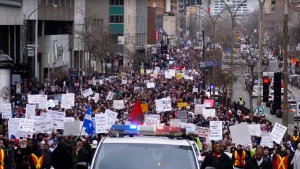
(278, 132)
(144, 107)
(30, 110)
(57, 117)
(199, 109)
(33, 99)
(87, 92)
(43, 102)
(110, 95)
(45, 125)
(182, 104)
(73, 127)
(118, 104)
(111, 117)
(202, 131)
(101, 123)
(208, 103)
(6, 110)
(254, 129)
(150, 121)
(13, 129)
(266, 139)
(155, 116)
(209, 113)
(216, 132)
(27, 125)
(188, 126)
(150, 85)
(235, 132)
(67, 100)
(182, 115)
(163, 104)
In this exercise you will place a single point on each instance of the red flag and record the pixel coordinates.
(136, 115)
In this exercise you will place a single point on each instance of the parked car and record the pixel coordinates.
(271, 97)
(290, 78)
(255, 91)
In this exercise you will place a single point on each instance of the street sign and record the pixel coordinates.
(202, 64)
(259, 110)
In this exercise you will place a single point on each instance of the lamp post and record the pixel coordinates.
(285, 55)
(261, 15)
(251, 64)
(232, 16)
(25, 59)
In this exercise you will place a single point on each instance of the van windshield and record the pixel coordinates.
(146, 156)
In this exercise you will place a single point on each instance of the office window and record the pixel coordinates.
(121, 2)
(116, 19)
(121, 18)
(111, 19)
(117, 2)
(111, 2)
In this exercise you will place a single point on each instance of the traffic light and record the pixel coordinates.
(277, 92)
(266, 83)
(206, 71)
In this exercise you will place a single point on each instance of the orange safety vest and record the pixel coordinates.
(294, 138)
(2, 156)
(281, 162)
(37, 161)
(239, 161)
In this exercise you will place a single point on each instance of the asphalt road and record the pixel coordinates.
(239, 91)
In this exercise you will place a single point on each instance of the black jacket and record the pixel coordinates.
(252, 164)
(223, 162)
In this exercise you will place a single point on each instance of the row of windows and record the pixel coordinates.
(116, 18)
(116, 2)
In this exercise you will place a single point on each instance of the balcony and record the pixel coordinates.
(13, 3)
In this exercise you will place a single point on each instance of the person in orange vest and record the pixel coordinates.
(36, 159)
(2, 158)
(239, 157)
(281, 160)
(295, 139)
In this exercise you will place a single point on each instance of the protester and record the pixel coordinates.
(259, 161)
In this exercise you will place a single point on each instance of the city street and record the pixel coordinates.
(239, 91)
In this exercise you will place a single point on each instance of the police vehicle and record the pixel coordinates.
(145, 147)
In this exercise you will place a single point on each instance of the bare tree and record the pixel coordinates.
(96, 37)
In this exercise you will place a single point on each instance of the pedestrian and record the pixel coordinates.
(280, 160)
(259, 161)
(80, 155)
(217, 159)
(239, 157)
(36, 159)
(296, 158)
(10, 155)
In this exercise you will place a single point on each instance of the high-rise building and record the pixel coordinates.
(217, 6)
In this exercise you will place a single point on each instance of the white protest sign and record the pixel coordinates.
(6, 110)
(209, 113)
(195, 90)
(188, 126)
(43, 103)
(111, 117)
(254, 129)
(43, 115)
(202, 131)
(50, 103)
(124, 81)
(150, 85)
(58, 118)
(13, 128)
(72, 127)
(27, 125)
(235, 132)
(67, 100)
(97, 97)
(56, 101)
(266, 139)
(33, 99)
(110, 95)
(175, 122)
(30, 110)
(68, 119)
(163, 104)
(118, 104)
(278, 132)
(216, 132)
(87, 92)
(199, 109)
(168, 74)
(151, 121)
(45, 125)
(101, 123)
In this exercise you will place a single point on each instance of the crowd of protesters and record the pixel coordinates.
(64, 152)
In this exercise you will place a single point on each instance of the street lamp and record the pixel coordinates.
(232, 15)
(25, 60)
(251, 61)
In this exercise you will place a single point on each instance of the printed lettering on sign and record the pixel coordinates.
(101, 123)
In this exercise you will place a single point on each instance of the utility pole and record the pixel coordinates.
(285, 55)
(261, 17)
